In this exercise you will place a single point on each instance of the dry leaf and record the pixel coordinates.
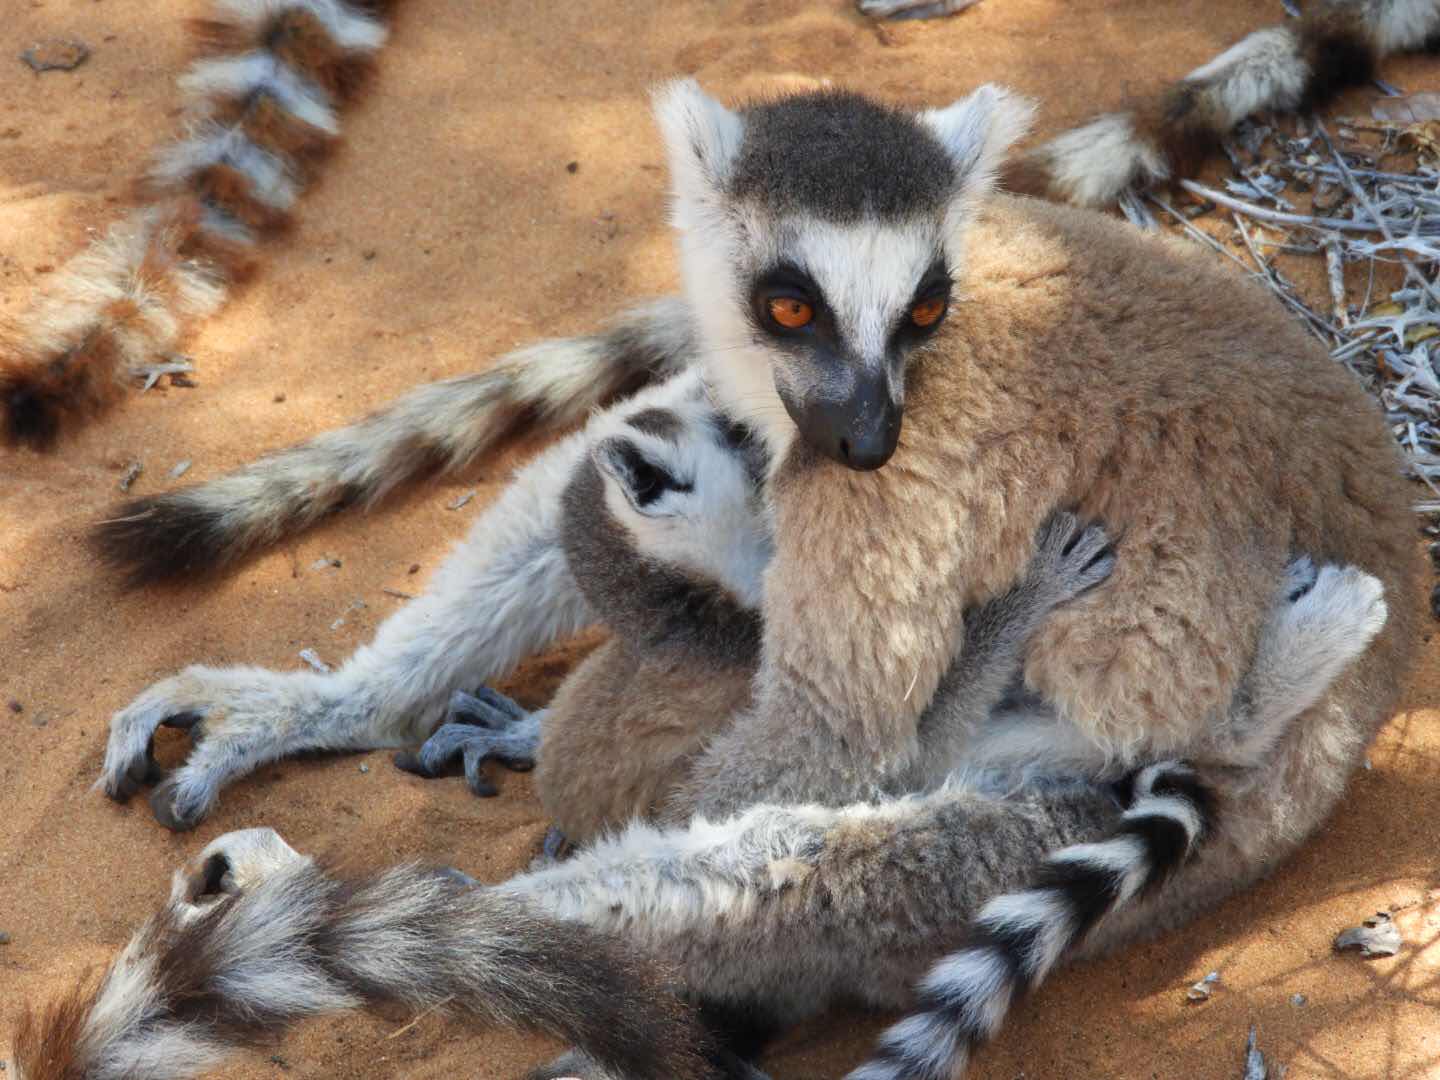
(1378, 936)
(1411, 109)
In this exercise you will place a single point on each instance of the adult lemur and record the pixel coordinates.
(844, 264)
(255, 935)
(262, 111)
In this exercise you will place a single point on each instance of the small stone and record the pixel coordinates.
(278, 399)
(131, 474)
(461, 501)
(16, 707)
(1200, 992)
(4, 938)
(1299, 1000)
(368, 254)
(364, 768)
(573, 168)
(414, 568)
(56, 54)
(180, 469)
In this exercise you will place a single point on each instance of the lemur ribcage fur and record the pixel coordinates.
(265, 102)
(262, 103)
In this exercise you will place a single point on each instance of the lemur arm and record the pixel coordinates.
(504, 593)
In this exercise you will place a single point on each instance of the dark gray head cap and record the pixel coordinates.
(840, 157)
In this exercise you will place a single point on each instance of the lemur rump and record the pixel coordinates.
(986, 361)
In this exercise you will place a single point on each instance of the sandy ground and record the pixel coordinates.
(449, 231)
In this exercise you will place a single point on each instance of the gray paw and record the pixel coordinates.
(485, 726)
(1071, 558)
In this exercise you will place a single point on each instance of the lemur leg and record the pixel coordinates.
(504, 593)
(484, 726)
(1323, 621)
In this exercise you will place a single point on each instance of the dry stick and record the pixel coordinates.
(1277, 217)
(1411, 273)
(1335, 275)
(420, 1016)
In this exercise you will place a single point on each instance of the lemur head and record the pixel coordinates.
(818, 237)
(685, 484)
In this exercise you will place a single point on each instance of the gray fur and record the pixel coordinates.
(839, 157)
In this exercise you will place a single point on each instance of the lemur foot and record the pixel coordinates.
(1070, 559)
(484, 726)
(1299, 579)
(912, 9)
(1335, 618)
(238, 719)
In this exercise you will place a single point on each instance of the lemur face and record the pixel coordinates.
(819, 236)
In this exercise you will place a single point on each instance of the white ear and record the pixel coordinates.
(978, 130)
(701, 137)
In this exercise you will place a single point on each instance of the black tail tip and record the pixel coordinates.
(160, 540)
(33, 418)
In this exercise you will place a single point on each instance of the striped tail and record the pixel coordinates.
(1294, 65)
(439, 428)
(260, 102)
(230, 964)
(1018, 938)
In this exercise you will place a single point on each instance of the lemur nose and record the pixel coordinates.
(859, 431)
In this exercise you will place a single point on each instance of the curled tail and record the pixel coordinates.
(1018, 938)
(256, 936)
(261, 102)
(437, 428)
(1294, 65)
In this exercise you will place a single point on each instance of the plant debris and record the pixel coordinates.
(180, 469)
(1256, 1067)
(311, 657)
(1364, 200)
(131, 474)
(1376, 936)
(56, 54)
(461, 501)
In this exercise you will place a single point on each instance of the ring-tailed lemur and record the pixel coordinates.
(825, 241)
(256, 936)
(261, 113)
(1290, 66)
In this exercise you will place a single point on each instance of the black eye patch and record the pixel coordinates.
(934, 286)
(787, 282)
(643, 479)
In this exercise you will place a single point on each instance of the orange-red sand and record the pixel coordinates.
(449, 230)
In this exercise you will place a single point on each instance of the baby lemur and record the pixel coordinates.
(666, 535)
(934, 370)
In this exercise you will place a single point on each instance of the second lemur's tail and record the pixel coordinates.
(257, 937)
(1294, 65)
(261, 105)
(1018, 938)
(435, 429)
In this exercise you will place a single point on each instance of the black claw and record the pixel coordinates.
(409, 761)
(162, 805)
(482, 787)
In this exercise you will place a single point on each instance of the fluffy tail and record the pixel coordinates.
(1295, 65)
(1018, 938)
(438, 428)
(257, 937)
(261, 104)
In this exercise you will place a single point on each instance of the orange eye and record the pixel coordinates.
(927, 312)
(791, 313)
